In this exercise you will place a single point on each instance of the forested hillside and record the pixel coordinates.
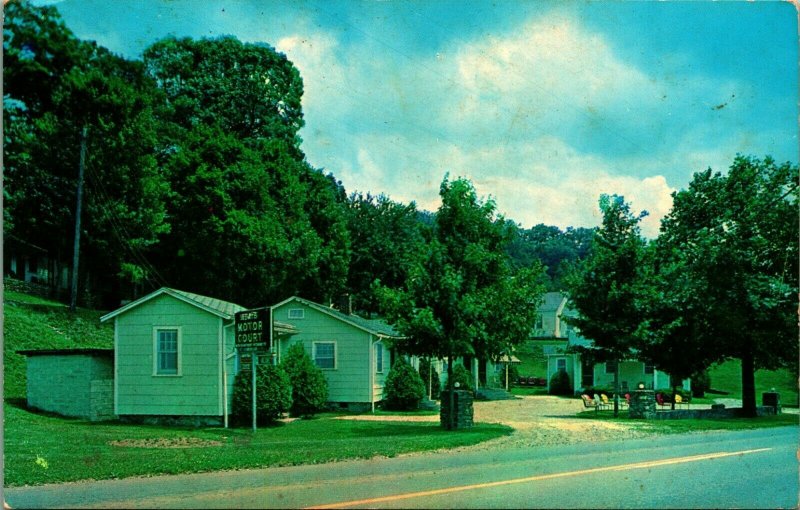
(195, 176)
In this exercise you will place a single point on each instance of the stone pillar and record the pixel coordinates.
(643, 404)
(463, 409)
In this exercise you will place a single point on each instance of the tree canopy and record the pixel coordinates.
(462, 298)
(732, 241)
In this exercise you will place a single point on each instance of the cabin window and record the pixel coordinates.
(539, 323)
(561, 364)
(379, 357)
(297, 313)
(648, 369)
(167, 351)
(325, 355)
(611, 367)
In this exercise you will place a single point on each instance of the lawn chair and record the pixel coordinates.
(588, 402)
(660, 400)
(598, 402)
(680, 401)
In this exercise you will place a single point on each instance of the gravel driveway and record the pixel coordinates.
(537, 420)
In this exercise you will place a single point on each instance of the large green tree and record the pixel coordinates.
(55, 87)
(462, 298)
(253, 222)
(605, 290)
(386, 238)
(733, 238)
(559, 251)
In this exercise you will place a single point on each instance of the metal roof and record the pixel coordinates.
(215, 306)
(374, 326)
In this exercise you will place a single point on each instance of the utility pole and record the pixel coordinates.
(73, 299)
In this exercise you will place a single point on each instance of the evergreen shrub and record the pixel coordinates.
(463, 377)
(309, 386)
(560, 383)
(426, 371)
(273, 394)
(403, 389)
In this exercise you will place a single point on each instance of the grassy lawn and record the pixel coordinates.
(694, 425)
(45, 449)
(528, 390)
(728, 377)
(31, 322)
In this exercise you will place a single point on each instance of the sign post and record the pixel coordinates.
(253, 335)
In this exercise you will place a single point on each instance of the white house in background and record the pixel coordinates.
(557, 336)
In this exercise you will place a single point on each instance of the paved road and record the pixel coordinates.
(745, 469)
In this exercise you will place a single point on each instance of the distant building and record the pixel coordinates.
(554, 336)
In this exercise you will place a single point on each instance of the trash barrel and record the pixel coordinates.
(771, 399)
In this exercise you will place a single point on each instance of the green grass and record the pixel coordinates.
(34, 323)
(694, 425)
(727, 377)
(47, 449)
(527, 390)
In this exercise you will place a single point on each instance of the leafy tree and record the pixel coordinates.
(557, 250)
(462, 299)
(386, 239)
(734, 240)
(253, 222)
(309, 387)
(606, 290)
(55, 87)
(248, 90)
(273, 394)
(403, 388)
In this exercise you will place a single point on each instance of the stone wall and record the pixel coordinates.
(733, 412)
(463, 409)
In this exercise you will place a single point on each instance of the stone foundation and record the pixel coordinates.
(463, 409)
(173, 421)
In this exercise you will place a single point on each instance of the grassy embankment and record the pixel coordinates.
(45, 449)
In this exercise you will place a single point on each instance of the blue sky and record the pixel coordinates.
(543, 105)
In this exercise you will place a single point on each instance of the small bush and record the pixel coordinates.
(273, 394)
(463, 377)
(309, 386)
(429, 374)
(560, 383)
(403, 389)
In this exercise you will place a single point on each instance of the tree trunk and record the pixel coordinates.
(452, 418)
(616, 389)
(673, 394)
(748, 385)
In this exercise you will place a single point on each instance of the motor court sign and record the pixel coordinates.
(253, 330)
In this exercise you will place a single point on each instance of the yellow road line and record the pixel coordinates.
(621, 467)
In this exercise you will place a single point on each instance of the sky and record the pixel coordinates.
(542, 105)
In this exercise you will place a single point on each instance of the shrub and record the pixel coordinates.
(273, 394)
(560, 383)
(403, 389)
(463, 377)
(309, 386)
(429, 373)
